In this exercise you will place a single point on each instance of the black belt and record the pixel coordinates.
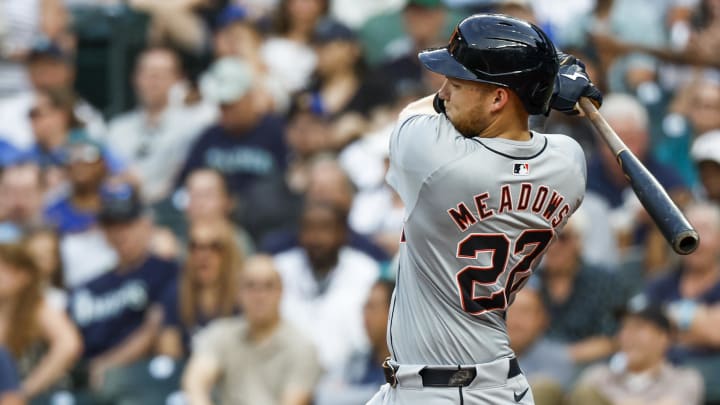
(447, 377)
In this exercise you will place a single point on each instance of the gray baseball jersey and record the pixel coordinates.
(479, 215)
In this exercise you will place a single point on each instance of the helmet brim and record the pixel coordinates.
(440, 61)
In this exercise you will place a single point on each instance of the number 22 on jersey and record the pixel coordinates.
(499, 246)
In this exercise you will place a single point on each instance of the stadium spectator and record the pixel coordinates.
(548, 365)
(73, 214)
(22, 191)
(690, 115)
(247, 143)
(119, 313)
(52, 118)
(703, 101)
(9, 381)
(326, 283)
(329, 184)
(259, 358)
(640, 373)
(41, 338)
(424, 23)
(691, 292)
(209, 201)
(341, 88)
(581, 299)
(706, 154)
(206, 289)
(22, 24)
(276, 202)
(236, 35)
(86, 169)
(293, 25)
(358, 382)
(43, 244)
(50, 68)
(155, 137)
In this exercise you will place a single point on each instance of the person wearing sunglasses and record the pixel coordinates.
(206, 288)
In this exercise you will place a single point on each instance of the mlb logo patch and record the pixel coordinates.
(521, 169)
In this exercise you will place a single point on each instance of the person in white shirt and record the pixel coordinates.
(326, 284)
(157, 134)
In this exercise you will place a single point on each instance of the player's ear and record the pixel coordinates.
(500, 97)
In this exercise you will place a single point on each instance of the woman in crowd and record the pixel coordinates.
(41, 338)
(43, 245)
(293, 27)
(207, 288)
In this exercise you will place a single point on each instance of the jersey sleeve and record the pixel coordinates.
(419, 145)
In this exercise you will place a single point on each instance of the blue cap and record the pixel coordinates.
(328, 30)
(230, 14)
(47, 49)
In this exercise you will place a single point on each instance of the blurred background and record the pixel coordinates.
(193, 206)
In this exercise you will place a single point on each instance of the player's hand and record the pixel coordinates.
(571, 83)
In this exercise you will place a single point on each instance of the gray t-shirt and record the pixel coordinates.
(479, 215)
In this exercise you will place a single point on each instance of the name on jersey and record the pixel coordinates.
(527, 197)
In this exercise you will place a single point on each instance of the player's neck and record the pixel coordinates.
(508, 126)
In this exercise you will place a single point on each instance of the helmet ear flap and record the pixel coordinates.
(539, 91)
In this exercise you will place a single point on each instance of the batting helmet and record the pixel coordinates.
(500, 50)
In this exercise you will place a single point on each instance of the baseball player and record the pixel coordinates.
(484, 197)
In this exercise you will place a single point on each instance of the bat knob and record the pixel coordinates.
(686, 242)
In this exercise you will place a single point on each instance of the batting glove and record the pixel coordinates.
(571, 83)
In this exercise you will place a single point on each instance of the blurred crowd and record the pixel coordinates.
(193, 206)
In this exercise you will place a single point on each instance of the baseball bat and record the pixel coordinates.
(674, 226)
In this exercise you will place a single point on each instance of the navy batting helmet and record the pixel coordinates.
(501, 50)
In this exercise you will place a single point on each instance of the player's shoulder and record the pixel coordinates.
(562, 142)
(410, 119)
(563, 147)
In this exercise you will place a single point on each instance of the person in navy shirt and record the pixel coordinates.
(119, 313)
(248, 143)
(691, 296)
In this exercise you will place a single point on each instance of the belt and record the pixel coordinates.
(446, 377)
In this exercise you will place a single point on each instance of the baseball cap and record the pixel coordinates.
(706, 147)
(227, 80)
(120, 204)
(229, 15)
(44, 49)
(82, 148)
(640, 307)
(328, 30)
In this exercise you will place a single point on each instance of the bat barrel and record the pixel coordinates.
(686, 242)
(667, 216)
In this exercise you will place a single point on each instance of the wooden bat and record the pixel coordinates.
(672, 223)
